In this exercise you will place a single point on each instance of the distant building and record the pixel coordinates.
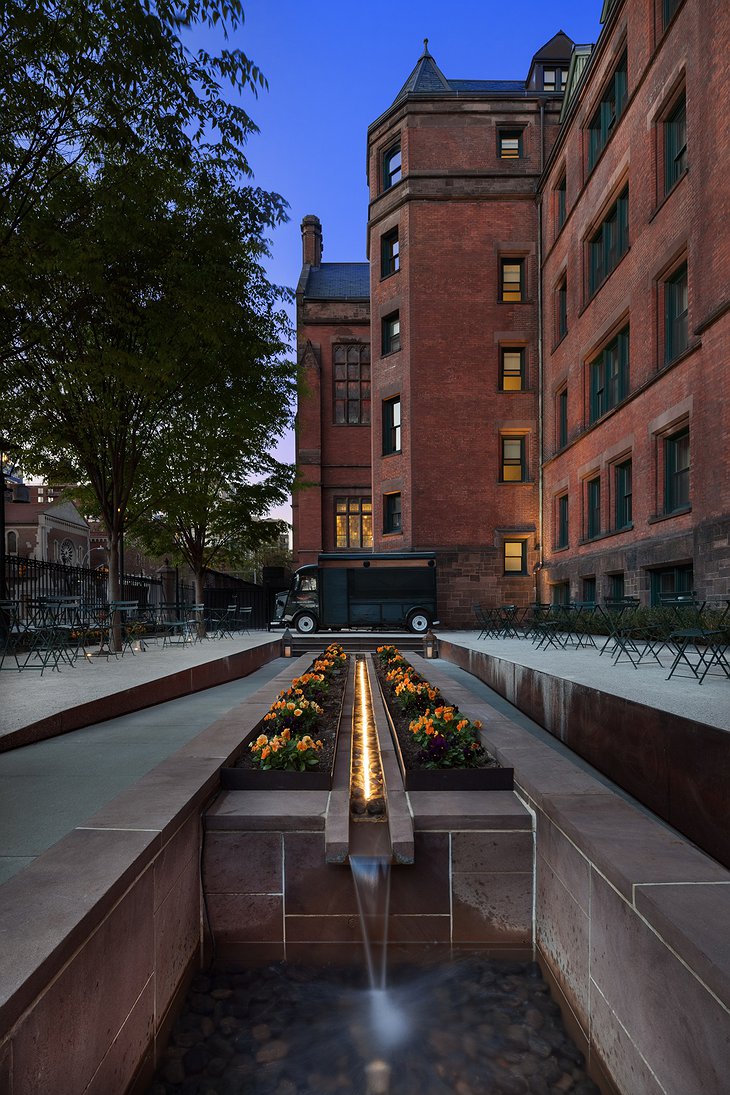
(534, 384)
(54, 532)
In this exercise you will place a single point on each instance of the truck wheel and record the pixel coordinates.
(419, 622)
(306, 623)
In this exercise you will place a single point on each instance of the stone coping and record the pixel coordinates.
(682, 893)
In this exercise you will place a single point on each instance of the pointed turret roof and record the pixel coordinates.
(426, 77)
(557, 49)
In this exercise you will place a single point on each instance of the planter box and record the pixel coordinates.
(449, 779)
(256, 779)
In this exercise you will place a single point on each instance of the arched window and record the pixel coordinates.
(12, 543)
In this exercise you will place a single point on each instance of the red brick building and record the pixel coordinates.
(548, 322)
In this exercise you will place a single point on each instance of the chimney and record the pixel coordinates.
(311, 240)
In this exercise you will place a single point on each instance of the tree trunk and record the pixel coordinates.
(199, 600)
(115, 634)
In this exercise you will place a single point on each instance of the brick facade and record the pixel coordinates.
(473, 183)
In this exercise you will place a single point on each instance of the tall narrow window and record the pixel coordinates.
(617, 586)
(352, 384)
(561, 309)
(391, 333)
(675, 145)
(509, 144)
(676, 305)
(12, 541)
(609, 110)
(513, 460)
(391, 166)
(512, 370)
(623, 499)
(609, 376)
(593, 507)
(512, 279)
(561, 537)
(676, 471)
(515, 556)
(610, 243)
(353, 522)
(391, 513)
(560, 204)
(562, 418)
(389, 254)
(391, 425)
(588, 590)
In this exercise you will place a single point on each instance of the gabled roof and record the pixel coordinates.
(557, 49)
(338, 281)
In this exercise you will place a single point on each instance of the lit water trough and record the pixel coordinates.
(367, 785)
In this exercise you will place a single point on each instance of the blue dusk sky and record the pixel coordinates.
(334, 67)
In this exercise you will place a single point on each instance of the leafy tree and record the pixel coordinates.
(151, 306)
(213, 481)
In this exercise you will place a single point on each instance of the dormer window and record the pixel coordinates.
(553, 79)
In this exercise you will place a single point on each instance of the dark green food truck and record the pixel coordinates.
(379, 590)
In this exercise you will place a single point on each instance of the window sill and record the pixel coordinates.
(680, 356)
(393, 452)
(561, 338)
(516, 482)
(385, 277)
(392, 532)
(560, 548)
(657, 517)
(389, 353)
(339, 425)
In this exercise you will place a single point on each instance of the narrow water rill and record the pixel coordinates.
(369, 993)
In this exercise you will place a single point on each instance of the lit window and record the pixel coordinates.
(512, 280)
(389, 254)
(512, 369)
(353, 523)
(509, 144)
(676, 305)
(391, 167)
(391, 333)
(515, 556)
(553, 79)
(513, 460)
(391, 426)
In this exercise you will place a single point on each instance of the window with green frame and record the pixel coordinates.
(676, 307)
(676, 471)
(561, 537)
(609, 376)
(560, 204)
(622, 495)
(562, 418)
(668, 9)
(392, 513)
(593, 507)
(588, 589)
(675, 145)
(515, 556)
(671, 582)
(389, 254)
(391, 333)
(513, 460)
(608, 112)
(617, 586)
(561, 309)
(560, 593)
(609, 243)
(391, 426)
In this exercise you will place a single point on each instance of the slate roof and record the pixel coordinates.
(428, 79)
(338, 281)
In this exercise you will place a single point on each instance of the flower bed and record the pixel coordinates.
(294, 745)
(437, 746)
